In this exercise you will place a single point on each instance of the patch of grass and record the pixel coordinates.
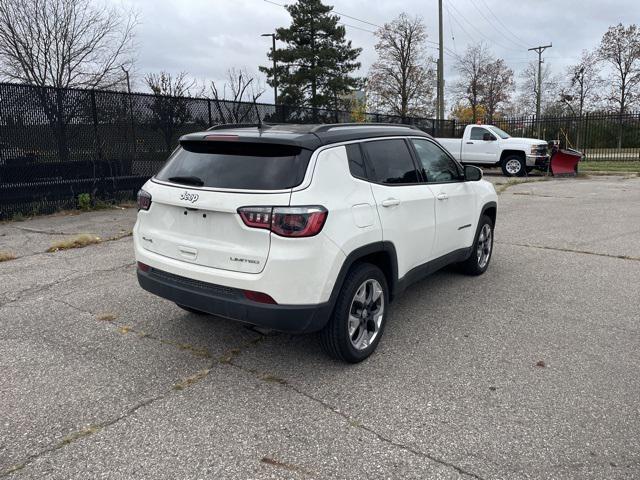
(84, 201)
(13, 469)
(610, 166)
(106, 317)
(286, 466)
(85, 432)
(273, 379)
(195, 351)
(192, 379)
(229, 355)
(77, 241)
(516, 181)
(6, 256)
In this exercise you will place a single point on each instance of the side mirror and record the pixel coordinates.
(472, 174)
(487, 137)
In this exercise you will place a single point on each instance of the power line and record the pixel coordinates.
(479, 32)
(453, 38)
(492, 25)
(341, 23)
(520, 41)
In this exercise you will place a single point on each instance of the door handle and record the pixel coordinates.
(442, 196)
(469, 143)
(390, 202)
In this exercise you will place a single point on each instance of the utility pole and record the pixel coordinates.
(275, 75)
(539, 51)
(440, 102)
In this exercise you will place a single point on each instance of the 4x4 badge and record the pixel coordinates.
(190, 197)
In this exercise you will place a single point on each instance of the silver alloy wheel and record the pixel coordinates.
(484, 245)
(365, 314)
(513, 166)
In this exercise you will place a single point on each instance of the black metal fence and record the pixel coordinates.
(56, 144)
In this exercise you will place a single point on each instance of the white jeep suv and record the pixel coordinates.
(305, 228)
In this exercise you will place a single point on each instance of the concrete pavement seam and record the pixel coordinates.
(570, 250)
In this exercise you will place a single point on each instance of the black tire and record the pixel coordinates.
(192, 310)
(522, 171)
(473, 265)
(335, 338)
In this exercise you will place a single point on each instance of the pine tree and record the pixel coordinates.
(314, 68)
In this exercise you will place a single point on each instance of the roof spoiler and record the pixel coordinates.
(224, 126)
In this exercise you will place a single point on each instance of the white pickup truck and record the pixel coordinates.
(488, 145)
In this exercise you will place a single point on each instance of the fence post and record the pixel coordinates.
(209, 111)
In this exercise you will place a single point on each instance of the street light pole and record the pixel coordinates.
(273, 56)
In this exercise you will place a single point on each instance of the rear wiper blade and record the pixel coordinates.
(196, 181)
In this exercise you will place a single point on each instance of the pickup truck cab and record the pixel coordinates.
(488, 145)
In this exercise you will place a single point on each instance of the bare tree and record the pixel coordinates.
(497, 87)
(620, 47)
(528, 89)
(583, 84)
(240, 91)
(401, 81)
(170, 107)
(472, 83)
(63, 43)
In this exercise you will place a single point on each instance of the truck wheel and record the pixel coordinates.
(359, 316)
(478, 261)
(513, 166)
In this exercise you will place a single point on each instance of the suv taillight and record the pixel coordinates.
(286, 221)
(144, 200)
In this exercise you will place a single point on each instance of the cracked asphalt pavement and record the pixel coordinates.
(527, 372)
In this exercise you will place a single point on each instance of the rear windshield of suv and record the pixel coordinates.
(242, 166)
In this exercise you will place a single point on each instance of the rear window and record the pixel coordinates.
(243, 166)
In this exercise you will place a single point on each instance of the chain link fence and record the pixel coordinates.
(56, 144)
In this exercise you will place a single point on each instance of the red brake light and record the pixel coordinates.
(286, 221)
(144, 200)
(298, 221)
(143, 267)
(259, 297)
(223, 138)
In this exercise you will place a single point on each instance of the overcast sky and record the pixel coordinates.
(206, 37)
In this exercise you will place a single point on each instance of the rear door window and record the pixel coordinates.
(390, 162)
(356, 162)
(241, 166)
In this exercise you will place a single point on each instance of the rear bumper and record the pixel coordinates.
(231, 303)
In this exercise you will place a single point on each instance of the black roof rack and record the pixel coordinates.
(328, 126)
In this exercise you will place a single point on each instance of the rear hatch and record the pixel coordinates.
(195, 199)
